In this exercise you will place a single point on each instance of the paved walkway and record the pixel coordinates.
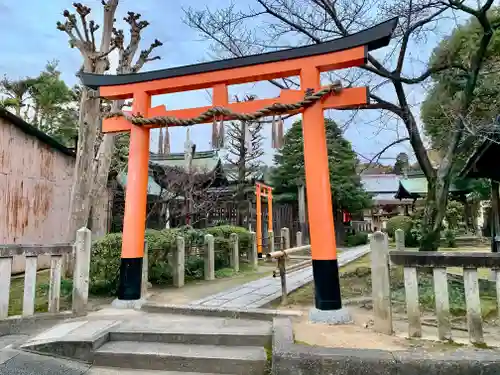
(258, 293)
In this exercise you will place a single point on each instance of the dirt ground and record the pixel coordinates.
(356, 292)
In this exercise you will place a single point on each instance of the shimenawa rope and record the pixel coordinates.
(215, 112)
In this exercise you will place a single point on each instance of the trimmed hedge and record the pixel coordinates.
(399, 222)
(356, 239)
(162, 244)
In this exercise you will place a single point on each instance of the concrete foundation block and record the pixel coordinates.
(334, 317)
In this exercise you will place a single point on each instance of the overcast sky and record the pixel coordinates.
(30, 39)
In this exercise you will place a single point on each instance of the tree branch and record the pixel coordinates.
(407, 34)
(144, 56)
(381, 152)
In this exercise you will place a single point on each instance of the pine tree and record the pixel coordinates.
(347, 191)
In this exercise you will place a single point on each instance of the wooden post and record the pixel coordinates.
(252, 256)
(258, 214)
(381, 287)
(209, 257)
(134, 219)
(301, 196)
(145, 273)
(269, 209)
(473, 302)
(234, 252)
(179, 259)
(319, 200)
(82, 269)
(282, 268)
(29, 286)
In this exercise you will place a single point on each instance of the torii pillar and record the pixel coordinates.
(307, 62)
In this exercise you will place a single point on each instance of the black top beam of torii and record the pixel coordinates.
(372, 38)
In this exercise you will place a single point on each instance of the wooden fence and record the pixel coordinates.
(75, 255)
(384, 260)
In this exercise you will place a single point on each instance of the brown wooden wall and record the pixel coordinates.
(35, 187)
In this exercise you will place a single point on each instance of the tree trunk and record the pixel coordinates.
(434, 213)
(100, 170)
(82, 178)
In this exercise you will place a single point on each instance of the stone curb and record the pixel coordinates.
(256, 314)
(19, 324)
(291, 358)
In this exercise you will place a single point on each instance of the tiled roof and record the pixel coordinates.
(380, 183)
(204, 161)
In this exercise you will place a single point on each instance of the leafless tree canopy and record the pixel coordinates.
(276, 24)
(178, 186)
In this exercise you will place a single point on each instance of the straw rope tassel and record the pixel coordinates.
(166, 142)
(160, 142)
(214, 133)
(247, 134)
(274, 133)
(280, 134)
(221, 133)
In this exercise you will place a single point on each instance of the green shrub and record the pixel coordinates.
(450, 237)
(105, 264)
(399, 222)
(356, 239)
(224, 231)
(106, 252)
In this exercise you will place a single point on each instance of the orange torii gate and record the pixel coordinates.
(307, 63)
(262, 190)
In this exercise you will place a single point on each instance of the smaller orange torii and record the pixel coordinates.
(262, 190)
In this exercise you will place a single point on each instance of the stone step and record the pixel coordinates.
(242, 360)
(117, 371)
(202, 338)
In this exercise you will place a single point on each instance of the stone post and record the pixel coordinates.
(209, 257)
(381, 288)
(234, 252)
(81, 273)
(285, 238)
(253, 257)
(179, 260)
(298, 239)
(270, 236)
(399, 236)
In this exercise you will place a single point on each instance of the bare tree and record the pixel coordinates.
(390, 76)
(94, 153)
(179, 186)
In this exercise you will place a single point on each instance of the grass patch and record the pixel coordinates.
(223, 273)
(41, 293)
(356, 282)
(305, 296)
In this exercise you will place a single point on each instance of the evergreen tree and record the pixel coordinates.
(347, 191)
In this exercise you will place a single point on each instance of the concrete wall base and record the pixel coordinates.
(290, 358)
